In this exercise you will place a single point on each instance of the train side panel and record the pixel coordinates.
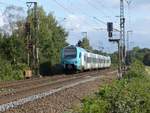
(84, 60)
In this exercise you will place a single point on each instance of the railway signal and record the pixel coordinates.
(110, 29)
(111, 39)
(120, 41)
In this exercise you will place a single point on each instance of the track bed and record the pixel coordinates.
(39, 86)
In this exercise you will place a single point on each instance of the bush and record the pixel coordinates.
(11, 72)
(129, 95)
(120, 97)
(137, 69)
(94, 105)
(146, 59)
(47, 70)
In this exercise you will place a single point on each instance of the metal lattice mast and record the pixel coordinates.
(36, 39)
(33, 43)
(122, 33)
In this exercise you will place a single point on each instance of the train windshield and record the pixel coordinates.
(70, 52)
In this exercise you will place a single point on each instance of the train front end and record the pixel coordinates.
(69, 58)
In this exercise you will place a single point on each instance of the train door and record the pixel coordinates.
(81, 60)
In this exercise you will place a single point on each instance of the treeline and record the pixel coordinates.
(143, 55)
(85, 43)
(13, 47)
(13, 43)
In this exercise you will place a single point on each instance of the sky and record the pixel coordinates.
(78, 16)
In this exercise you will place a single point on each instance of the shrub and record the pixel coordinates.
(129, 95)
(11, 72)
(137, 69)
(47, 69)
(121, 97)
(94, 105)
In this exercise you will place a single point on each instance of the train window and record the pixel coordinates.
(89, 59)
(80, 55)
(94, 60)
(84, 58)
(99, 60)
(70, 52)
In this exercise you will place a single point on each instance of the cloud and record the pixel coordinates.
(78, 23)
(1, 19)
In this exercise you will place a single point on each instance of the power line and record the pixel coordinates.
(93, 6)
(60, 5)
(105, 10)
(102, 5)
(70, 12)
(101, 21)
(86, 14)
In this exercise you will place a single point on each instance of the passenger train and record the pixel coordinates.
(78, 59)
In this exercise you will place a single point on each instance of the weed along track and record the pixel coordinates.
(39, 89)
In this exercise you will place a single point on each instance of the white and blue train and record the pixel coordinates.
(76, 58)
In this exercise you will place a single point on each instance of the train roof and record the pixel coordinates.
(82, 49)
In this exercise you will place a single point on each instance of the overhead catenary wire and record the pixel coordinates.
(60, 5)
(92, 16)
(84, 13)
(108, 9)
(73, 13)
(101, 21)
(97, 9)
(95, 17)
(66, 9)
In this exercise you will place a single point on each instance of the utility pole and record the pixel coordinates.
(84, 34)
(122, 35)
(128, 55)
(28, 38)
(32, 40)
(128, 31)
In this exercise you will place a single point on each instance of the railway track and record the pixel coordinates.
(12, 87)
(39, 84)
(26, 81)
(29, 88)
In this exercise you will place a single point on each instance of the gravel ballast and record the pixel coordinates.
(63, 100)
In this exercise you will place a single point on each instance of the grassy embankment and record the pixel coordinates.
(129, 95)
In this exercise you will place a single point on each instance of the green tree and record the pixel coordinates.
(146, 59)
(13, 51)
(12, 14)
(52, 38)
(84, 44)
